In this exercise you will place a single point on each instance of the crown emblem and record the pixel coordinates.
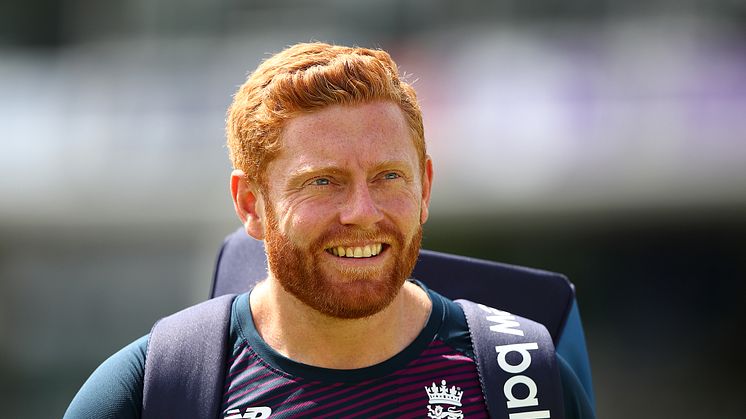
(444, 395)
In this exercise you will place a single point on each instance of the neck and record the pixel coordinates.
(302, 334)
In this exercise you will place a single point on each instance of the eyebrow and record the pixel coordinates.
(307, 169)
(397, 164)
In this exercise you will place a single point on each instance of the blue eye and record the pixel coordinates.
(391, 175)
(322, 181)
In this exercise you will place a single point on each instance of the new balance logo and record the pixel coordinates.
(249, 413)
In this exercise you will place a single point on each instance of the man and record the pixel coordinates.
(331, 172)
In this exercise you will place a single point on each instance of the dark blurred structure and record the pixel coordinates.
(605, 140)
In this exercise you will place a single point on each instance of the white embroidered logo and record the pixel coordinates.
(443, 395)
(249, 413)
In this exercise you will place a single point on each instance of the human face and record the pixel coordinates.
(345, 203)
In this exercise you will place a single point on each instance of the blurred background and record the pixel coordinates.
(602, 139)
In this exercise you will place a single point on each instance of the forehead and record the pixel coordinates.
(346, 136)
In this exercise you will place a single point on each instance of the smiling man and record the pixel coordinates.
(340, 208)
(331, 172)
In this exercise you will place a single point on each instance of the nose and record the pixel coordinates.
(360, 208)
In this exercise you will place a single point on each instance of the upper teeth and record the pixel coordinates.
(357, 252)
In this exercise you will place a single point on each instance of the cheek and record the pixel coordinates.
(405, 208)
(304, 221)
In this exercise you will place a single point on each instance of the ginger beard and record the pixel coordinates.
(348, 294)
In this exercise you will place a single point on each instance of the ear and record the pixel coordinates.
(427, 183)
(248, 203)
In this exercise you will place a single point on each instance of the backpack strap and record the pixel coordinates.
(185, 362)
(516, 363)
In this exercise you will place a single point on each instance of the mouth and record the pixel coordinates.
(367, 251)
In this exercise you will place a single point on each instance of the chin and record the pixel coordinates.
(349, 297)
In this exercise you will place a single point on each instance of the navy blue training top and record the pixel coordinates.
(434, 375)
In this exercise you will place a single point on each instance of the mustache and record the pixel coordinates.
(383, 232)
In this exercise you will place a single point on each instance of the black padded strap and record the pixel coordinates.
(185, 363)
(516, 363)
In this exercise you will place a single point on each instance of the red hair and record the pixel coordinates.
(307, 77)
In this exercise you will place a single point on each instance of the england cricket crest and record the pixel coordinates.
(440, 396)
